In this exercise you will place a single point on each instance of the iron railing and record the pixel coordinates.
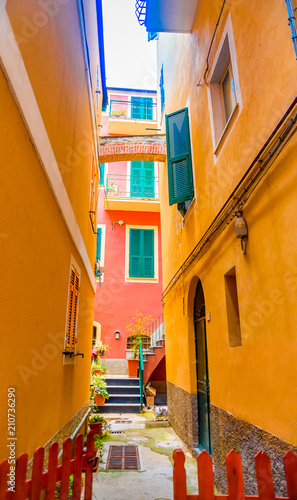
(156, 330)
(140, 11)
(127, 186)
(144, 109)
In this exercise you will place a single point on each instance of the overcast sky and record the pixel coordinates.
(130, 59)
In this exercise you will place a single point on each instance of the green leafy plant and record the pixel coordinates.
(98, 365)
(70, 494)
(95, 417)
(98, 387)
(99, 446)
(119, 112)
(137, 330)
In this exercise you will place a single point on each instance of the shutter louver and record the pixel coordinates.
(148, 253)
(98, 245)
(180, 176)
(72, 311)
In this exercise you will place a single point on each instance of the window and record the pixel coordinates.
(145, 340)
(232, 309)
(142, 253)
(101, 174)
(93, 191)
(142, 108)
(72, 315)
(179, 158)
(223, 90)
(142, 184)
(100, 249)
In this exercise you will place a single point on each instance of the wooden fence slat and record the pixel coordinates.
(37, 473)
(52, 471)
(4, 469)
(205, 476)
(65, 472)
(20, 476)
(90, 455)
(179, 475)
(234, 476)
(264, 476)
(290, 465)
(79, 443)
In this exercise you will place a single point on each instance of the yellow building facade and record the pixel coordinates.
(228, 199)
(51, 97)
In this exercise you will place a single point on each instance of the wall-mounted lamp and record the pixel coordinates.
(241, 231)
(117, 334)
(120, 223)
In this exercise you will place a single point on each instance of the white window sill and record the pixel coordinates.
(141, 280)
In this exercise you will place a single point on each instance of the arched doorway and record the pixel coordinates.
(204, 429)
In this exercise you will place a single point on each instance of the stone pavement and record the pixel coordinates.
(156, 442)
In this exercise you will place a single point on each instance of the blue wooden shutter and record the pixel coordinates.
(147, 113)
(135, 107)
(98, 246)
(135, 182)
(180, 175)
(135, 253)
(148, 253)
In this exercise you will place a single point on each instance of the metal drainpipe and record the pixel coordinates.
(292, 24)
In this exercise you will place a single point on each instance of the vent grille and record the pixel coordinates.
(123, 458)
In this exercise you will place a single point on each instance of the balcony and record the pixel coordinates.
(136, 193)
(172, 16)
(133, 116)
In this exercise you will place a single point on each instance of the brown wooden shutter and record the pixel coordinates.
(72, 311)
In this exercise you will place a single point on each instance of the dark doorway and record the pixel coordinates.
(204, 430)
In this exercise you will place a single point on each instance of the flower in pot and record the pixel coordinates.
(98, 368)
(98, 390)
(96, 422)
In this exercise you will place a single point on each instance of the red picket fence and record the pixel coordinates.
(234, 477)
(46, 481)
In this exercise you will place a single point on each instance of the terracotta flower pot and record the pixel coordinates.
(97, 372)
(99, 400)
(96, 427)
(133, 367)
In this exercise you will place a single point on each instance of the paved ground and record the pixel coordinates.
(156, 442)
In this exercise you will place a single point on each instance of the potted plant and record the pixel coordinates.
(96, 423)
(99, 350)
(99, 392)
(137, 330)
(98, 368)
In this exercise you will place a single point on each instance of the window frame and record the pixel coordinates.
(225, 58)
(129, 279)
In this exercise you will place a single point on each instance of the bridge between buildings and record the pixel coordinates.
(125, 148)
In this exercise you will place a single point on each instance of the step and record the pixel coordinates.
(123, 389)
(131, 382)
(124, 398)
(122, 408)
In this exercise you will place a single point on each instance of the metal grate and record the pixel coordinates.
(140, 11)
(123, 422)
(116, 432)
(123, 458)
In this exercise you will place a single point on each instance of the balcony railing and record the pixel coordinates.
(136, 186)
(135, 109)
(156, 330)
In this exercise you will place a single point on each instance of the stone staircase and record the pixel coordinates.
(124, 395)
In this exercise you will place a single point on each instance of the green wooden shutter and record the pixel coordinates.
(141, 253)
(135, 183)
(180, 175)
(148, 253)
(98, 246)
(142, 184)
(135, 253)
(148, 179)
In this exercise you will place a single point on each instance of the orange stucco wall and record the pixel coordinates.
(36, 246)
(257, 381)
